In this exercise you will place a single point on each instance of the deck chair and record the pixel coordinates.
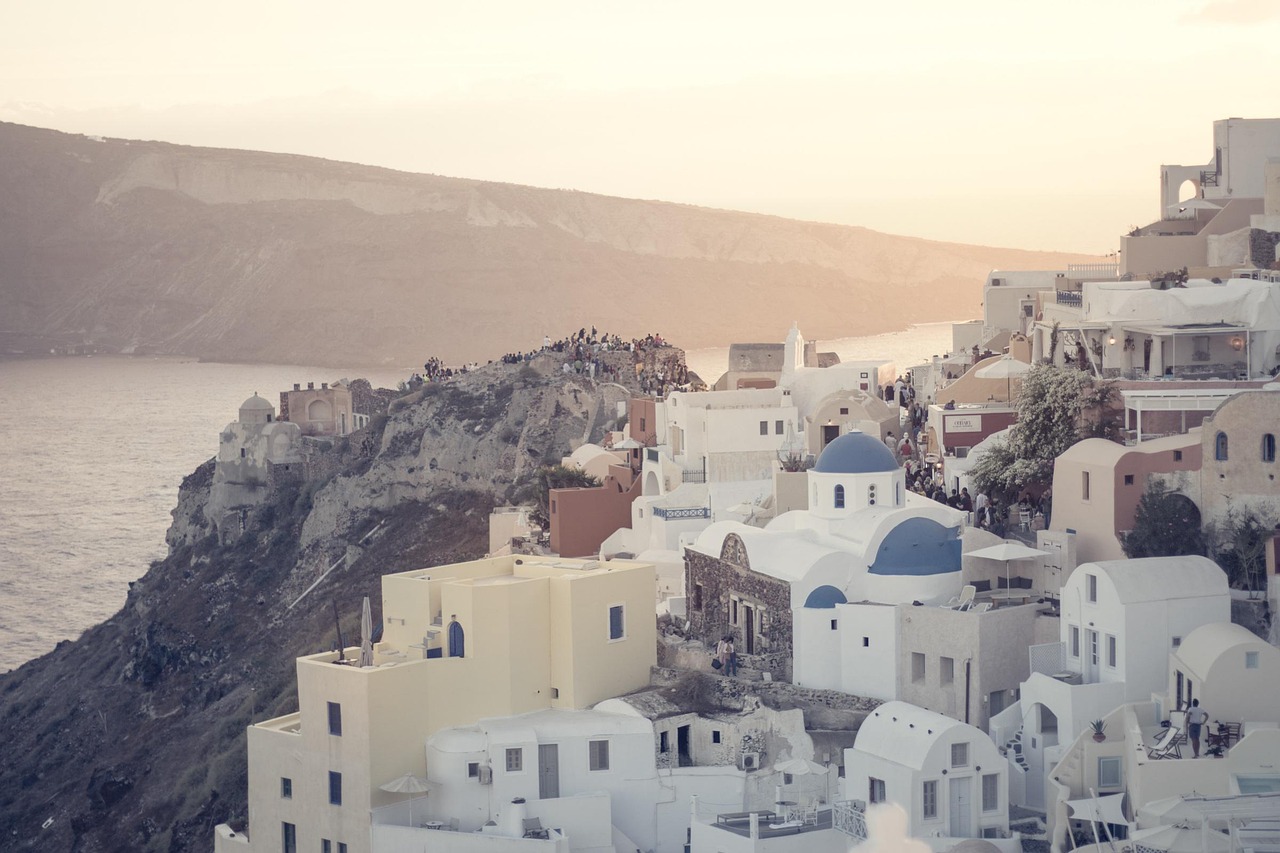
(533, 828)
(809, 816)
(965, 599)
(981, 607)
(1166, 746)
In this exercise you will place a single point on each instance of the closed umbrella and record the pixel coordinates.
(407, 784)
(366, 633)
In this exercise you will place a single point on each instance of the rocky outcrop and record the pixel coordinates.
(133, 736)
(246, 256)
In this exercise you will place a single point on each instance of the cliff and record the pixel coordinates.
(133, 736)
(246, 256)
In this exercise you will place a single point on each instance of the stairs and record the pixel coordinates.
(1014, 746)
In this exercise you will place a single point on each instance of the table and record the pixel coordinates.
(433, 824)
(1022, 596)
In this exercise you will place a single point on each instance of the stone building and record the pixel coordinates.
(1238, 456)
(255, 451)
(323, 411)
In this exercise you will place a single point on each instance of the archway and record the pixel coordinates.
(319, 410)
(1188, 190)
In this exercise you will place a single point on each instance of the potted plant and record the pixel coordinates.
(1099, 730)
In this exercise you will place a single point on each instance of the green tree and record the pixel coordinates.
(1166, 524)
(1240, 545)
(1056, 408)
(556, 477)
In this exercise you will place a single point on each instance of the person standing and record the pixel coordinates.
(1196, 717)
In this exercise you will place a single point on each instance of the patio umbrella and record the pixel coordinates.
(407, 784)
(1006, 368)
(366, 633)
(801, 767)
(1007, 552)
(1181, 838)
(628, 444)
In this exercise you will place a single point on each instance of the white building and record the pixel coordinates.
(251, 450)
(1119, 622)
(949, 776)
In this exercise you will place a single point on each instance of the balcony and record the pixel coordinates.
(681, 513)
(850, 817)
(1072, 300)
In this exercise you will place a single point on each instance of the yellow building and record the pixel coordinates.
(489, 638)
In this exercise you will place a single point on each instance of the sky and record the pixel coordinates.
(1030, 125)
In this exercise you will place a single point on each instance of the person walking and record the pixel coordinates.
(1196, 717)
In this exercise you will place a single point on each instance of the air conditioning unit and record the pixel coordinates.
(486, 775)
(749, 761)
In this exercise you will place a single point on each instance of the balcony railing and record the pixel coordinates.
(1063, 297)
(1093, 271)
(850, 817)
(676, 513)
(693, 475)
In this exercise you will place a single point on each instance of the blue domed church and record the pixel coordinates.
(787, 592)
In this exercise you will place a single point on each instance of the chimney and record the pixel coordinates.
(297, 386)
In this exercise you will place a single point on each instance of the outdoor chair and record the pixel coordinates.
(1166, 746)
(1024, 519)
(810, 814)
(533, 828)
(965, 600)
(981, 607)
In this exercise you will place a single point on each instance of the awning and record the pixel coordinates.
(1108, 809)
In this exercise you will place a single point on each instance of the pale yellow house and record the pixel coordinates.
(489, 638)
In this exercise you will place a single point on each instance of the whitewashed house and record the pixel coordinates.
(949, 776)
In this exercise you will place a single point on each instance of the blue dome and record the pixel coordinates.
(855, 453)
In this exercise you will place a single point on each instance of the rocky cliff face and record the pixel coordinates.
(246, 256)
(132, 737)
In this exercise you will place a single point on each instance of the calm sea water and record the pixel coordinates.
(92, 451)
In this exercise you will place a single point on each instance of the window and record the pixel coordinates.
(335, 788)
(1200, 347)
(1111, 651)
(875, 791)
(839, 498)
(1093, 647)
(617, 625)
(1128, 479)
(664, 742)
(959, 755)
(834, 623)
(917, 667)
(242, 453)
(1268, 448)
(1177, 456)
(1109, 772)
(946, 670)
(1084, 485)
(777, 427)
(598, 753)
(844, 410)
(991, 792)
(1075, 641)
(342, 847)
(1250, 660)
(326, 846)
(764, 427)
(642, 424)
(553, 506)
(515, 760)
(866, 642)
(288, 838)
(1091, 581)
(1177, 641)
(335, 719)
(930, 799)
(1220, 447)
(286, 788)
(715, 735)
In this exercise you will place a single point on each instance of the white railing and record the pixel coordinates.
(850, 817)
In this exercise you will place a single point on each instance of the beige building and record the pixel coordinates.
(1238, 448)
(322, 411)
(490, 638)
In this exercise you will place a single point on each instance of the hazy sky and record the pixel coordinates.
(1038, 125)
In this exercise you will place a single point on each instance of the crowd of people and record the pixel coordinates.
(581, 352)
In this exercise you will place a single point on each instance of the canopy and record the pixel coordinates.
(407, 784)
(800, 767)
(1007, 551)
(1100, 809)
(1004, 368)
(628, 444)
(1181, 838)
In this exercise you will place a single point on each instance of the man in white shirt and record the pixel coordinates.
(1196, 717)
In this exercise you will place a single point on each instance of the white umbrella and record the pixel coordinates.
(628, 444)
(801, 767)
(1003, 368)
(1181, 838)
(1007, 552)
(407, 784)
(366, 633)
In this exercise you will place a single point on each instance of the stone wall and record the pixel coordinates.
(719, 579)
(1262, 248)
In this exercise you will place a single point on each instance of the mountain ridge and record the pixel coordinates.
(254, 256)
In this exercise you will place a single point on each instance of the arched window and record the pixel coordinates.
(1220, 447)
(1268, 447)
(839, 497)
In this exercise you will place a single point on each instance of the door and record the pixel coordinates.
(749, 628)
(1091, 656)
(684, 757)
(548, 771)
(960, 809)
(830, 434)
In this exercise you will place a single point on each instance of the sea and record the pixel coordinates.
(92, 451)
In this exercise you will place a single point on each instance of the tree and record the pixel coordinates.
(556, 477)
(1056, 408)
(1166, 524)
(1240, 544)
